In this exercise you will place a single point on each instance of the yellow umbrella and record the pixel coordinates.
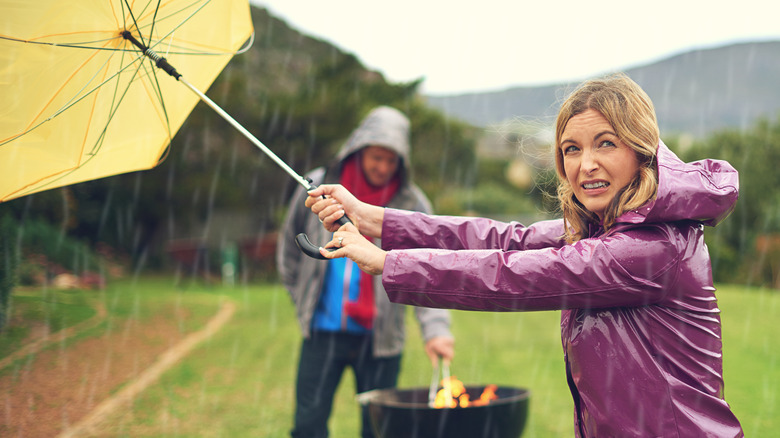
(79, 99)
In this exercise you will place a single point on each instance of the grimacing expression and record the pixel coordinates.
(379, 164)
(597, 163)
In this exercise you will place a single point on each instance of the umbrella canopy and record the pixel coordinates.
(79, 101)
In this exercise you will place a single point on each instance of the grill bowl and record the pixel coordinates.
(404, 413)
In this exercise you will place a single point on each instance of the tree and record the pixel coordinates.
(733, 244)
(8, 262)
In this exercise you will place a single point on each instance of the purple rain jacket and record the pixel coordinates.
(640, 324)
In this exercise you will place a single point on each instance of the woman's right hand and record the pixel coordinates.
(331, 202)
(348, 242)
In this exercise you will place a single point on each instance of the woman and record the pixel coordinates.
(627, 265)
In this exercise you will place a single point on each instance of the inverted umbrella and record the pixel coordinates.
(80, 96)
(80, 101)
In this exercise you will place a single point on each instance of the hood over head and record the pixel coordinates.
(704, 191)
(383, 126)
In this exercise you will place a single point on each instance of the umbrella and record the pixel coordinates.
(80, 95)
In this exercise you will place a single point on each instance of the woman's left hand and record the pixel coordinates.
(351, 244)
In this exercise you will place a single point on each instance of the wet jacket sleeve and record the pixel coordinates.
(456, 233)
(433, 322)
(629, 268)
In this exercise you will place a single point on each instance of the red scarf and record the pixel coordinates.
(352, 177)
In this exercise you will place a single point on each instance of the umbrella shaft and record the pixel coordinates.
(159, 61)
(163, 64)
(299, 179)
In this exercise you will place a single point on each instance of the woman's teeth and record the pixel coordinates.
(595, 185)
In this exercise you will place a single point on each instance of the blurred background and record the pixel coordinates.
(216, 198)
(482, 102)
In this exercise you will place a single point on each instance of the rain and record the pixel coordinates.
(147, 302)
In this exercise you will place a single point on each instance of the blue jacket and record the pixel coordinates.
(303, 276)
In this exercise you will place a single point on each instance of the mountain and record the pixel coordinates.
(694, 93)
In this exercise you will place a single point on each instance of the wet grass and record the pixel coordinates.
(240, 382)
(50, 310)
(751, 357)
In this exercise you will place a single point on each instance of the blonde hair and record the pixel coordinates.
(631, 113)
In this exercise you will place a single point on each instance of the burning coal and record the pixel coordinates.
(453, 394)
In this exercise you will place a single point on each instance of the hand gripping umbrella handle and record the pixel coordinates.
(308, 248)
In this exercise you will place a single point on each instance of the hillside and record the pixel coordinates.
(695, 92)
(301, 97)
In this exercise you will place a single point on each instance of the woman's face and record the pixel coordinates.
(596, 162)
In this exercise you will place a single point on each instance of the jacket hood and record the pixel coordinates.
(705, 191)
(383, 126)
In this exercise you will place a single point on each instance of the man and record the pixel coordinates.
(344, 314)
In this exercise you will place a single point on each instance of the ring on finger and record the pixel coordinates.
(341, 239)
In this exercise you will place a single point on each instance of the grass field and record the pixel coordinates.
(240, 381)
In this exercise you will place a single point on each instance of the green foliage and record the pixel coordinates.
(486, 199)
(492, 195)
(443, 155)
(32, 251)
(733, 244)
(53, 309)
(301, 97)
(8, 263)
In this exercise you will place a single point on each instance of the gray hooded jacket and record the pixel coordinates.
(303, 276)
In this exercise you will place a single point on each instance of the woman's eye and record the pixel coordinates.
(570, 149)
(607, 143)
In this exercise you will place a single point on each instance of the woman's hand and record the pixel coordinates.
(351, 244)
(331, 202)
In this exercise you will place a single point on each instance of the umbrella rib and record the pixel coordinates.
(158, 93)
(214, 51)
(70, 46)
(149, 42)
(82, 83)
(68, 104)
(135, 22)
(115, 103)
(154, 21)
(154, 43)
(99, 142)
(72, 102)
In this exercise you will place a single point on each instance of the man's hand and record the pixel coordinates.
(440, 346)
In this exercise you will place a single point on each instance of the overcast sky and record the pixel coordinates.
(495, 44)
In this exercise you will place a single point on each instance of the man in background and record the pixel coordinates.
(345, 316)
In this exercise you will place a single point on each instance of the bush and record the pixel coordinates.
(8, 262)
(45, 252)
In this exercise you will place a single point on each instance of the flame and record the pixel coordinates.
(453, 394)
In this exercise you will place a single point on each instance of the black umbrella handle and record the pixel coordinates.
(305, 245)
(310, 249)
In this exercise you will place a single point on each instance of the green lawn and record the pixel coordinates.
(240, 381)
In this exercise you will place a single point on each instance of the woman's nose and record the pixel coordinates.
(589, 162)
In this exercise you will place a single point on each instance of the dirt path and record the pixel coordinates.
(67, 391)
(60, 336)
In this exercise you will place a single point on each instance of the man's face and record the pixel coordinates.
(379, 164)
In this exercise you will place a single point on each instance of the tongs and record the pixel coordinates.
(435, 383)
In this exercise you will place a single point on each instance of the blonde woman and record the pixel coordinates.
(626, 265)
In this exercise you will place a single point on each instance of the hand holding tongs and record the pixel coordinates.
(433, 390)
